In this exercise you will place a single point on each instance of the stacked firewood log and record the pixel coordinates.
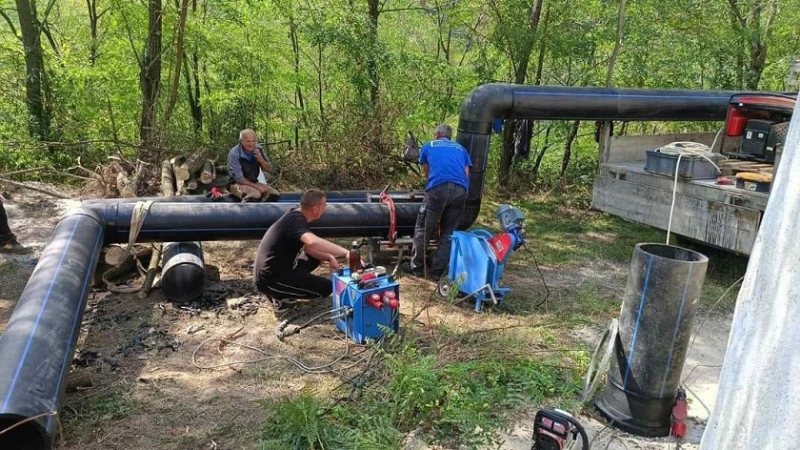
(191, 175)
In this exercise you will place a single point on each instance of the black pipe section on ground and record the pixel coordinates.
(39, 339)
(655, 324)
(286, 197)
(183, 272)
(167, 222)
(510, 101)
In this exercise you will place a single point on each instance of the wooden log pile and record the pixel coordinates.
(193, 174)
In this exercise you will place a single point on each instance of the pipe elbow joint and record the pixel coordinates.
(483, 105)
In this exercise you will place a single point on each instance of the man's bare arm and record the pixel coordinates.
(317, 244)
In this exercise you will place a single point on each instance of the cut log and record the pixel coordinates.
(221, 169)
(178, 160)
(129, 265)
(209, 173)
(180, 187)
(191, 183)
(190, 167)
(126, 185)
(167, 179)
(115, 254)
(152, 270)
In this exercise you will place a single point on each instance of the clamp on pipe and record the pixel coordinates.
(386, 198)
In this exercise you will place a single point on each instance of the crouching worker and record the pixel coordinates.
(289, 252)
(245, 162)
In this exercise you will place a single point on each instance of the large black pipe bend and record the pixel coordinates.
(507, 101)
(36, 347)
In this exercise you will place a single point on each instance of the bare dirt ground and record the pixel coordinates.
(134, 385)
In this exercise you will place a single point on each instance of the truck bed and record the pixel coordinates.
(718, 215)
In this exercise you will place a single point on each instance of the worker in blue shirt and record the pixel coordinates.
(246, 161)
(446, 164)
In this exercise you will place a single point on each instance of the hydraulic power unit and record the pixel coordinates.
(372, 301)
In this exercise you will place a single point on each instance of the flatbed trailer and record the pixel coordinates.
(721, 216)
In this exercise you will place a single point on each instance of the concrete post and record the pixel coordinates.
(758, 403)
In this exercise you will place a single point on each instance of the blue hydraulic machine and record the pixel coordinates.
(478, 257)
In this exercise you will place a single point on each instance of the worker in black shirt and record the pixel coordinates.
(289, 252)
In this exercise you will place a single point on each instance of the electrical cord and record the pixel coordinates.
(708, 314)
(541, 275)
(681, 149)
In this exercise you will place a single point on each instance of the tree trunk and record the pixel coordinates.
(612, 61)
(193, 93)
(35, 76)
(540, 155)
(150, 76)
(372, 62)
(568, 148)
(507, 156)
(542, 48)
(298, 92)
(520, 72)
(167, 179)
(173, 92)
(94, 19)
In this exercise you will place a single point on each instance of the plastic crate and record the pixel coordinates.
(692, 167)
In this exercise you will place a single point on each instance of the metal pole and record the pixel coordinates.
(758, 402)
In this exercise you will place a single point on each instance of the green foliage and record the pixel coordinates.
(462, 403)
(303, 74)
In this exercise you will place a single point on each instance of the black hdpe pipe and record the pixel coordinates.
(286, 197)
(37, 345)
(655, 324)
(511, 101)
(183, 272)
(166, 222)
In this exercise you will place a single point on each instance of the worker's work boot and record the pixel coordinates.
(13, 246)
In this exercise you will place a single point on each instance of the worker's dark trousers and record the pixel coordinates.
(444, 204)
(5, 231)
(297, 283)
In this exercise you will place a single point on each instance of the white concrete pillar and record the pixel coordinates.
(758, 403)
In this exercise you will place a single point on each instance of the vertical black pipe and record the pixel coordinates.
(36, 347)
(478, 146)
(655, 324)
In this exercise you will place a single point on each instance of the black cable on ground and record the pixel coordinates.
(541, 275)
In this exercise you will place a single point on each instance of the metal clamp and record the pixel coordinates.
(386, 198)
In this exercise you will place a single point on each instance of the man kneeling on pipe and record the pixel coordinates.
(289, 252)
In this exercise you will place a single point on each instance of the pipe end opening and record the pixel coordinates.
(27, 436)
(672, 252)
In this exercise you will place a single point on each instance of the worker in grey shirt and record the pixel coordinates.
(245, 161)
